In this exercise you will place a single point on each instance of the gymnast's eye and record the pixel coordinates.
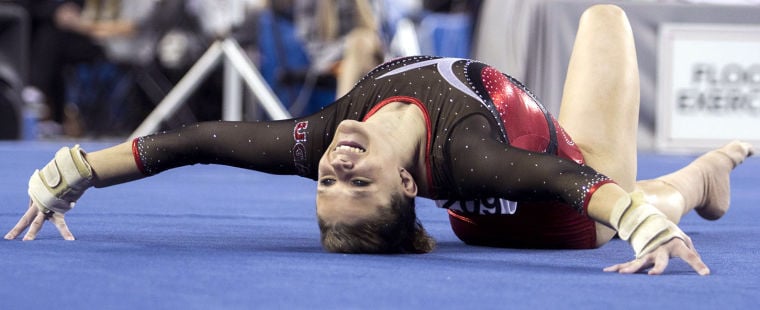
(359, 183)
(326, 181)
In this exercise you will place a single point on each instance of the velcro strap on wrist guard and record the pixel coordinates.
(642, 225)
(58, 185)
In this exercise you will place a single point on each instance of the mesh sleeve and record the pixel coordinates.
(276, 147)
(482, 166)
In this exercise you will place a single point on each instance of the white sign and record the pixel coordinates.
(708, 85)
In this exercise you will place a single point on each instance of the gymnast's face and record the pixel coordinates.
(357, 174)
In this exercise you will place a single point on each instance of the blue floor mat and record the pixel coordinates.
(213, 237)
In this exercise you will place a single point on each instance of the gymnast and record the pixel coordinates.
(459, 132)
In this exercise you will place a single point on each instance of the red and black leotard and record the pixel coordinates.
(487, 137)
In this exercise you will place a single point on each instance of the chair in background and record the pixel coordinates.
(285, 65)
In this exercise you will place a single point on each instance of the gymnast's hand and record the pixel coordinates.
(34, 219)
(658, 259)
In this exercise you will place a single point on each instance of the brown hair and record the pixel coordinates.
(395, 230)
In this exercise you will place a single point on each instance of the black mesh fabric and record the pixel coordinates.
(469, 154)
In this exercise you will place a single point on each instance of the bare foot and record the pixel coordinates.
(704, 184)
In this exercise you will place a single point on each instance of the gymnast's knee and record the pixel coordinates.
(603, 14)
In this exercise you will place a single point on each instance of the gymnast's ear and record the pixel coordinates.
(407, 183)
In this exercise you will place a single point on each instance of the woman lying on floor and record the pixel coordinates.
(462, 133)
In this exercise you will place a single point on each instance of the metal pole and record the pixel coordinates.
(235, 62)
(232, 107)
(260, 88)
(181, 91)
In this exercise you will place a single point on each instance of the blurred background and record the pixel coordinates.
(95, 69)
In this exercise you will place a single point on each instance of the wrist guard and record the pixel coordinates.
(58, 185)
(642, 225)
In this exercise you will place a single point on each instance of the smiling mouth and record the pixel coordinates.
(350, 147)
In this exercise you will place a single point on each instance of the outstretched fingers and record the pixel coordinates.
(658, 259)
(633, 266)
(684, 249)
(35, 226)
(60, 223)
(694, 260)
(23, 223)
(33, 220)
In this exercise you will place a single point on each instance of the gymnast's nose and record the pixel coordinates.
(342, 163)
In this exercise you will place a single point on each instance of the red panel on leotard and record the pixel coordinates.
(535, 224)
(524, 121)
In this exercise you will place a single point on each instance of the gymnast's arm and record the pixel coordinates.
(277, 147)
(482, 167)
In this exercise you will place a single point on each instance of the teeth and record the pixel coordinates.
(349, 149)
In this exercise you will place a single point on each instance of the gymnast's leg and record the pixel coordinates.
(600, 101)
(363, 52)
(703, 185)
(603, 123)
